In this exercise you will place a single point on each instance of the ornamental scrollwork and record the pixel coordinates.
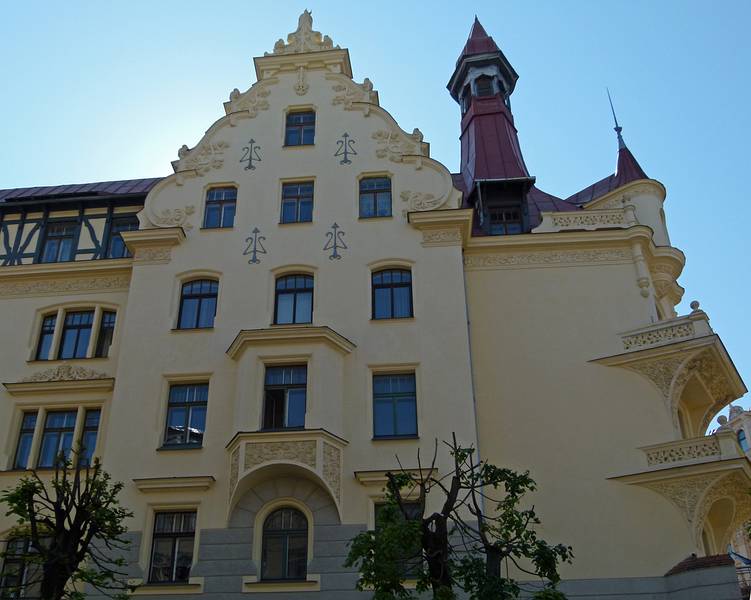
(417, 201)
(304, 39)
(687, 450)
(201, 159)
(658, 336)
(349, 91)
(394, 145)
(441, 237)
(153, 254)
(260, 452)
(177, 217)
(542, 258)
(252, 101)
(64, 372)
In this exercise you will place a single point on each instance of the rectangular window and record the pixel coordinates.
(394, 405)
(172, 547)
(20, 577)
(116, 247)
(106, 331)
(76, 333)
(57, 439)
(25, 438)
(375, 197)
(504, 220)
(89, 436)
(297, 202)
(301, 129)
(44, 347)
(285, 396)
(186, 414)
(220, 208)
(59, 242)
(411, 557)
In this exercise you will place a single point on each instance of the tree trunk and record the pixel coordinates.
(435, 543)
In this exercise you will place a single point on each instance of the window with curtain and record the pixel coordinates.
(59, 242)
(285, 390)
(284, 554)
(172, 547)
(106, 332)
(186, 414)
(20, 577)
(293, 301)
(198, 304)
(89, 436)
(394, 405)
(392, 294)
(57, 438)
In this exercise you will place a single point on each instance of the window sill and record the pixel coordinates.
(217, 228)
(193, 586)
(43, 361)
(294, 146)
(251, 584)
(394, 438)
(190, 329)
(393, 320)
(179, 447)
(281, 325)
(285, 223)
(379, 218)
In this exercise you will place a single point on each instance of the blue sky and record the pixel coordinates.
(104, 90)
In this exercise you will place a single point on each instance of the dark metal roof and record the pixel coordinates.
(100, 188)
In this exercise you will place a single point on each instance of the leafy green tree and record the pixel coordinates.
(471, 544)
(72, 533)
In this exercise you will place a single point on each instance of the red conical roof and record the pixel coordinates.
(479, 42)
(628, 168)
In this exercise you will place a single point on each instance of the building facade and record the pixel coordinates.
(248, 342)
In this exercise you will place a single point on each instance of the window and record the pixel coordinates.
(411, 558)
(198, 304)
(294, 299)
(392, 294)
(484, 86)
(88, 437)
(504, 220)
(284, 397)
(301, 128)
(172, 547)
(375, 197)
(284, 554)
(220, 208)
(186, 414)
(25, 439)
(76, 334)
(57, 439)
(59, 242)
(19, 577)
(106, 331)
(46, 335)
(394, 406)
(116, 246)
(742, 440)
(297, 202)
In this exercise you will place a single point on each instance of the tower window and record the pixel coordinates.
(484, 86)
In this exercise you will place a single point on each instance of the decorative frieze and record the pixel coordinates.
(303, 451)
(153, 255)
(64, 372)
(542, 258)
(441, 237)
(684, 450)
(332, 468)
(659, 336)
(63, 285)
(587, 220)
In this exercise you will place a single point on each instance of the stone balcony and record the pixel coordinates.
(314, 454)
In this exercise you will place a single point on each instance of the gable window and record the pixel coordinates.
(484, 86)
(20, 576)
(89, 436)
(297, 202)
(220, 208)
(57, 438)
(116, 246)
(76, 334)
(293, 299)
(742, 440)
(172, 547)
(394, 406)
(284, 553)
(106, 331)
(186, 414)
(46, 335)
(284, 397)
(300, 129)
(375, 197)
(59, 242)
(198, 304)
(392, 294)
(25, 439)
(504, 220)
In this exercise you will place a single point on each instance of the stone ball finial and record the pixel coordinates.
(694, 305)
(234, 94)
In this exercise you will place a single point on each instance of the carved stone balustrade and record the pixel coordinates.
(695, 325)
(720, 446)
(589, 220)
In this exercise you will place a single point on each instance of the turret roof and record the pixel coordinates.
(479, 42)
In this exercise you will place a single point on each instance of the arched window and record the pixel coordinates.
(293, 302)
(742, 440)
(392, 294)
(285, 546)
(198, 304)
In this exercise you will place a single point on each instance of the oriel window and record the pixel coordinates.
(59, 242)
(46, 335)
(198, 304)
(284, 554)
(300, 129)
(25, 439)
(76, 334)
(116, 246)
(297, 202)
(57, 439)
(172, 547)
(106, 332)
(285, 392)
(394, 405)
(220, 208)
(375, 197)
(186, 414)
(293, 299)
(392, 294)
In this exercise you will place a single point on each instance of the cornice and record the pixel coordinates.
(75, 277)
(291, 435)
(679, 472)
(448, 227)
(159, 236)
(296, 334)
(195, 483)
(61, 379)
(379, 478)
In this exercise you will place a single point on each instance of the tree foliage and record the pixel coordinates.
(480, 534)
(73, 529)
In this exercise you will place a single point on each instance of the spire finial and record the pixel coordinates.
(617, 128)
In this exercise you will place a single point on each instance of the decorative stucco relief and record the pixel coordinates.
(686, 492)
(303, 39)
(734, 487)
(252, 101)
(706, 367)
(177, 217)
(203, 158)
(394, 145)
(332, 469)
(348, 91)
(688, 450)
(234, 468)
(658, 336)
(40, 287)
(441, 237)
(153, 255)
(543, 258)
(64, 372)
(300, 451)
(417, 201)
(591, 219)
(660, 371)
(301, 85)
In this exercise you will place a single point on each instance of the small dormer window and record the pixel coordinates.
(504, 219)
(484, 86)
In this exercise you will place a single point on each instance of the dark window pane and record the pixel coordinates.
(76, 334)
(300, 128)
(294, 299)
(297, 202)
(296, 408)
(106, 331)
(228, 219)
(161, 560)
(207, 312)
(198, 304)
(392, 294)
(285, 545)
(213, 215)
(45, 337)
(394, 405)
(383, 200)
(382, 303)
(383, 419)
(285, 308)
(304, 307)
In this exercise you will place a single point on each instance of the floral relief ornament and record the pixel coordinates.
(304, 39)
(177, 217)
(64, 372)
(201, 159)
